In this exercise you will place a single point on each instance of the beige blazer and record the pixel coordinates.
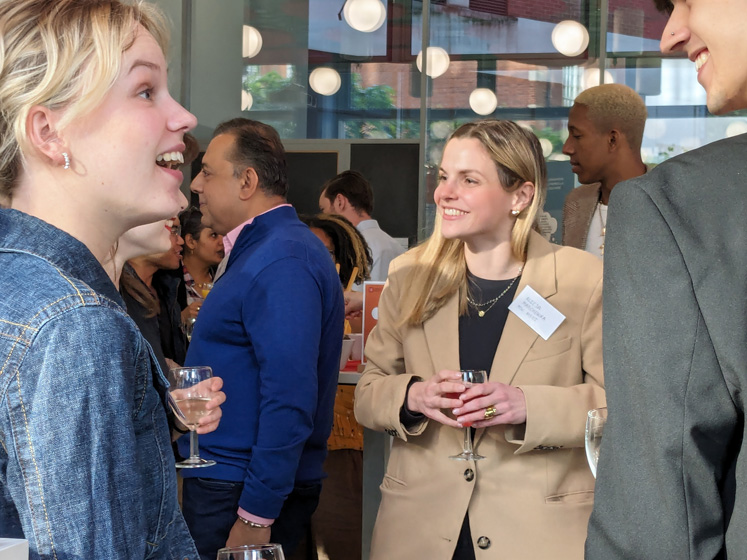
(532, 495)
(578, 212)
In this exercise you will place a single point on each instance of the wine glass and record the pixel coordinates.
(252, 552)
(188, 396)
(595, 421)
(205, 288)
(469, 378)
(188, 326)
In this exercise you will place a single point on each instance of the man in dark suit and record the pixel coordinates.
(673, 463)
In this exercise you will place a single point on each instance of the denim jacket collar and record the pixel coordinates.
(26, 234)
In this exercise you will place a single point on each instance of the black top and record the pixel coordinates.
(479, 336)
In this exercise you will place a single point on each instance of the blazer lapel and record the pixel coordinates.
(518, 337)
(442, 336)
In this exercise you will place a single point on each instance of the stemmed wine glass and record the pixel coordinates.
(188, 396)
(252, 552)
(205, 288)
(469, 378)
(595, 420)
(188, 326)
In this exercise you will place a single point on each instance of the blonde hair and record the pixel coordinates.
(61, 54)
(616, 106)
(440, 269)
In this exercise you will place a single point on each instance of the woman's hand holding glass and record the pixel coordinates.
(491, 403)
(436, 394)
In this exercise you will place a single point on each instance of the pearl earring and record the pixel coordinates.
(67, 160)
(515, 213)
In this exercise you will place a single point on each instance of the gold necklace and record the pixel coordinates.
(491, 302)
(604, 226)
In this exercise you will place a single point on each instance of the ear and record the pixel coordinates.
(523, 196)
(613, 140)
(249, 184)
(340, 203)
(190, 241)
(42, 134)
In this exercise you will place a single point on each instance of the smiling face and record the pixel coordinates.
(586, 146)
(171, 259)
(713, 34)
(218, 187)
(473, 204)
(116, 147)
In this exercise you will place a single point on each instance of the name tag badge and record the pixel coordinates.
(536, 312)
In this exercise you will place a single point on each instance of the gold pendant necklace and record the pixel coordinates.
(490, 303)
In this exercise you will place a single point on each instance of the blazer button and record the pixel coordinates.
(469, 475)
(483, 542)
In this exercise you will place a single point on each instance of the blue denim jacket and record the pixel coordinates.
(86, 467)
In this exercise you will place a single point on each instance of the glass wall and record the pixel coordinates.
(347, 71)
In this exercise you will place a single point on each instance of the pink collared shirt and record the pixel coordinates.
(229, 240)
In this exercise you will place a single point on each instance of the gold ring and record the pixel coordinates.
(489, 412)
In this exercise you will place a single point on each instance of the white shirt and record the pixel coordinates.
(384, 249)
(595, 237)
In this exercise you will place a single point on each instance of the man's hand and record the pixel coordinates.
(241, 534)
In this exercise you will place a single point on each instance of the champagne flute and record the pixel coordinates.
(469, 378)
(188, 397)
(595, 420)
(252, 552)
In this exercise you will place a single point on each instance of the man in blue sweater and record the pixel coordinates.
(272, 328)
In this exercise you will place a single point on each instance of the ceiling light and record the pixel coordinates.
(483, 101)
(438, 61)
(251, 42)
(246, 100)
(364, 15)
(570, 38)
(325, 81)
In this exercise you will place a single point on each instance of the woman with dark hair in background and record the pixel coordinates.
(345, 243)
(203, 250)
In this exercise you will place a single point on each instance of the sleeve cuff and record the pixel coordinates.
(254, 518)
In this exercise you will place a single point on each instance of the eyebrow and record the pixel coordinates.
(147, 64)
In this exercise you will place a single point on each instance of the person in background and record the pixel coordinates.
(86, 123)
(350, 195)
(272, 328)
(150, 294)
(446, 308)
(156, 239)
(605, 131)
(345, 244)
(203, 251)
(673, 457)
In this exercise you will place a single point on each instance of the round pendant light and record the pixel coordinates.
(570, 38)
(325, 81)
(483, 101)
(438, 61)
(364, 15)
(251, 42)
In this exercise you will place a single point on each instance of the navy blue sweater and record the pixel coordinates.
(272, 328)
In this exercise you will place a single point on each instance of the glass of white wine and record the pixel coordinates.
(252, 552)
(188, 396)
(469, 378)
(595, 420)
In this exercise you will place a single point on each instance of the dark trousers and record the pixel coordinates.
(209, 507)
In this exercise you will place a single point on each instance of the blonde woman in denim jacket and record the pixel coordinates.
(86, 469)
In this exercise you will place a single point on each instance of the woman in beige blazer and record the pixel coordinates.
(445, 308)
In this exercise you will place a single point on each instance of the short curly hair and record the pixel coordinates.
(616, 106)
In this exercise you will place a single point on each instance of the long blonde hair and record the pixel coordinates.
(61, 54)
(440, 269)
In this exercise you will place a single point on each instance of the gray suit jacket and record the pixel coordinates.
(673, 469)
